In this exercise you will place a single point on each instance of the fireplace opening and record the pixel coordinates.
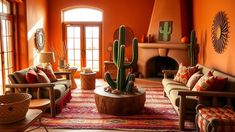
(156, 64)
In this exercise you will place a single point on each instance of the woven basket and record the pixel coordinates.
(13, 107)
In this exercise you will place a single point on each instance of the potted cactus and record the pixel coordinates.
(121, 97)
(123, 84)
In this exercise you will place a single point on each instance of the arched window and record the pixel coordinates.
(82, 15)
(82, 35)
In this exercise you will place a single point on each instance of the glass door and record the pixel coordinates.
(83, 46)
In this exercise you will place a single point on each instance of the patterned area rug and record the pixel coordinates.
(81, 113)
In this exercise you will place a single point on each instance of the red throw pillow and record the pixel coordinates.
(219, 83)
(184, 73)
(49, 72)
(31, 76)
(205, 82)
(42, 77)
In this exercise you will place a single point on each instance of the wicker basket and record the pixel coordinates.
(87, 80)
(13, 107)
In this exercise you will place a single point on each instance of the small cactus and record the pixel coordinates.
(122, 83)
(192, 49)
(165, 30)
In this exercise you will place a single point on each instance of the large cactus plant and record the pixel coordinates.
(123, 83)
(165, 30)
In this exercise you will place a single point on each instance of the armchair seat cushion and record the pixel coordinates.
(67, 83)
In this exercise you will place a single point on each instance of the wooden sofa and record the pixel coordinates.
(58, 92)
(185, 101)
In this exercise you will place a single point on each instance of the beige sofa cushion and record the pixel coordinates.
(170, 84)
(58, 89)
(67, 83)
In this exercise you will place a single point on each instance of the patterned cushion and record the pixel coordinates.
(204, 83)
(184, 73)
(49, 72)
(42, 77)
(221, 119)
(193, 80)
(31, 76)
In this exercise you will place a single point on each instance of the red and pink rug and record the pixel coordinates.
(81, 113)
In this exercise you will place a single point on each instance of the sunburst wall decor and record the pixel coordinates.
(220, 31)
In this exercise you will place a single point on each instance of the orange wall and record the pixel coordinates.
(204, 12)
(36, 18)
(134, 13)
(171, 10)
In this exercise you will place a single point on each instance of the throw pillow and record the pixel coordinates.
(205, 82)
(219, 83)
(42, 77)
(193, 80)
(49, 72)
(184, 73)
(31, 76)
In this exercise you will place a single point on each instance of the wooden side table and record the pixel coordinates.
(73, 70)
(87, 80)
(32, 116)
(110, 67)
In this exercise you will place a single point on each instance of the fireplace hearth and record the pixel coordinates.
(154, 57)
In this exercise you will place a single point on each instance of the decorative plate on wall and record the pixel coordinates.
(40, 39)
(219, 32)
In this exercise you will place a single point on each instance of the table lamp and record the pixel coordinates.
(47, 57)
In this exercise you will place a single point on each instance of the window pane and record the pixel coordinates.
(95, 43)
(71, 54)
(70, 44)
(6, 76)
(82, 14)
(89, 64)
(95, 66)
(88, 43)
(78, 65)
(70, 32)
(71, 63)
(77, 32)
(95, 54)
(5, 60)
(6, 6)
(9, 28)
(9, 43)
(89, 54)
(4, 31)
(9, 60)
(77, 54)
(88, 32)
(4, 43)
(77, 43)
(95, 32)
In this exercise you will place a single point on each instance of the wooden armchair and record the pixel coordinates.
(51, 91)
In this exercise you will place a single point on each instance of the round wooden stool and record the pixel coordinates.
(87, 80)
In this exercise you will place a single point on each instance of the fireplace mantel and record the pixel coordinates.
(178, 46)
(176, 51)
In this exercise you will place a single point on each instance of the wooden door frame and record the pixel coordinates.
(82, 37)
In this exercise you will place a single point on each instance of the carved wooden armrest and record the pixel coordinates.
(169, 72)
(38, 86)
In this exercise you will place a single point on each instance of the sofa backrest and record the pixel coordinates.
(230, 86)
(18, 77)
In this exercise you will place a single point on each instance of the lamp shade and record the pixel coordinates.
(47, 57)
